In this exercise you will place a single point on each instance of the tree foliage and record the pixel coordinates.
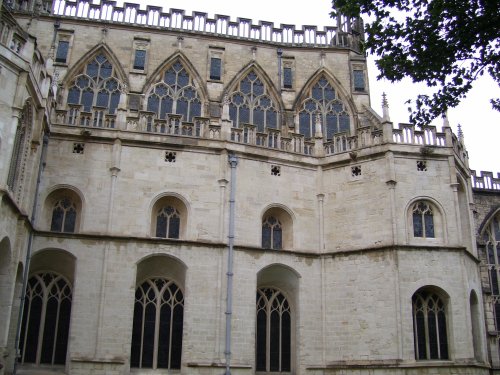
(446, 44)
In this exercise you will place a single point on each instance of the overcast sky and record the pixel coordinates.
(480, 123)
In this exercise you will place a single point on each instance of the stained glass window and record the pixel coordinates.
(64, 216)
(429, 326)
(96, 86)
(175, 93)
(62, 51)
(273, 333)
(272, 233)
(423, 220)
(324, 101)
(168, 222)
(251, 103)
(46, 317)
(157, 325)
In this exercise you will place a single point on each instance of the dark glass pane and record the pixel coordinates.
(215, 68)
(195, 110)
(92, 69)
(135, 351)
(182, 108)
(496, 229)
(271, 119)
(286, 342)
(359, 80)
(174, 227)
(57, 220)
(170, 77)
(106, 70)
(49, 331)
(63, 332)
(260, 352)
(274, 344)
(429, 226)
(245, 86)
(62, 51)
(35, 314)
(74, 95)
(317, 92)
(153, 103)
(443, 340)
(161, 226)
(69, 222)
(87, 99)
(164, 336)
(149, 334)
(178, 318)
(331, 126)
(305, 124)
(244, 115)
(491, 254)
(140, 59)
(233, 115)
(433, 338)
(115, 99)
(266, 236)
(183, 78)
(166, 106)
(344, 123)
(497, 316)
(102, 99)
(329, 93)
(494, 282)
(277, 243)
(258, 119)
(417, 225)
(258, 88)
(287, 78)
(420, 335)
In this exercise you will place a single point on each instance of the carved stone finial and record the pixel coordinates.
(460, 132)
(180, 39)
(254, 53)
(318, 131)
(385, 108)
(446, 122)
(104, 34)
(225, 107)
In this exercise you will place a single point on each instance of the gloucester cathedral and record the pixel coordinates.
(188, 194)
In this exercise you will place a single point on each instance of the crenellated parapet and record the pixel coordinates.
(486, 180)
(346, 34)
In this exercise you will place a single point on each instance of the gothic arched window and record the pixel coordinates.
(175, 93)
(97, 85)
(158, 323)
(323, 100)
(273, 335)
(491, 238)
(64, 216)
(46, 317)
(423, 220)
(251, 103)
(168, 221)
(272, 233)
(429, 326)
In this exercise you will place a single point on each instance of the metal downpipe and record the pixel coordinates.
(233, 162)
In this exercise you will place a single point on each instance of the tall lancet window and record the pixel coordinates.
(323, 100)
(251, 103)
(491, 249)
(96, 87)
(174, 93)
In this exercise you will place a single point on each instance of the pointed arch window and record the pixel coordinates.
(429, 326)
(273, 335)
(175, 93)
(96, 85)
(251, 103)
(168, 221)
(46, 319)
(323, 100)
(64, 216)
(158, 324)
(272, 235)
(423, 220)
(491, 238)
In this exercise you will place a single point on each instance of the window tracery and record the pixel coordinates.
(168, 222)
(323, 99)
(423, 220)
(251, 103)
(429, 326)
(273, 334)
(491, 238)
(64, 216)
(175, 93)
(97, 85)
(46, 318)
(158, 325)
(272, 233)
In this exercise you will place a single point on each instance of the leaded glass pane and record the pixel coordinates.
(35, 313)
(70, 221)
(115, 100)
(261, 340)
(140, 59)
(287, 78)
(148, 336)
(175, 360)
(443, 342)
(286, 342)
(417, 225)
(305, 124)
(164, 336)
(494, 282)
(153, 103)
(359, 80)
(331, 126)
(174, 227)
(62, 51)
(266, 236)
(63, 332)
(271, 119)
(215, 68)
(106, 70)
(57, 219)
(429, 225)
(161, 226)
(102, 99)
(74, 95)
(49, 331)
(244, 115)
(274, 342)
(166, 106)
(277, 234)
(344, 123)
(92, 69)
(136, 334)
(433, 339)
(87, 99)
(496, 229)
(258, 119)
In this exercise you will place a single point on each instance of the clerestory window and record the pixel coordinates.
(97, 85)
(175, 93)
(323, 100)
(251, 103)
(157, 326)
(429, 326)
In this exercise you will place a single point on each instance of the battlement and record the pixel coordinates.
(487, 181)
(347, 33)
